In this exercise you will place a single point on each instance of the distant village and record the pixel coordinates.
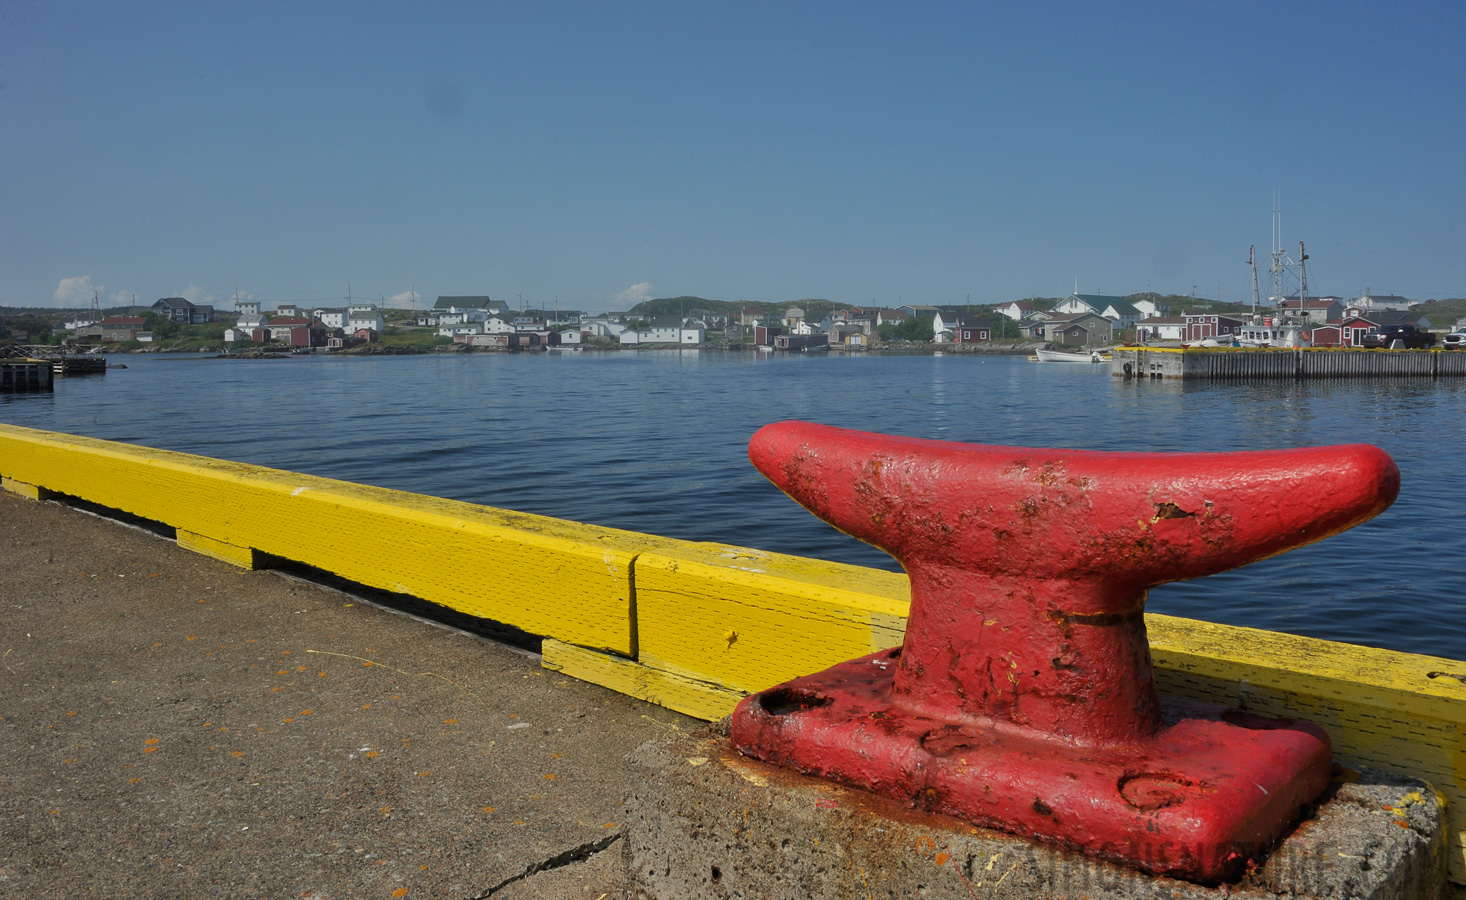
(466, 322)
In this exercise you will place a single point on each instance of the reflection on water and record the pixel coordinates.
(656, 442)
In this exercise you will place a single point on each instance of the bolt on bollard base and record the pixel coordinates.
(1022, 697)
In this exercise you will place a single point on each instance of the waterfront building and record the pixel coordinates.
(1209, 326)
(1078, 329)
(764, 335)
(1162, 328)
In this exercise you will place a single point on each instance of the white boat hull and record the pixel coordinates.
(1060, 356)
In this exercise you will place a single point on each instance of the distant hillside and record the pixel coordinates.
(676, 306)
(1441, 313)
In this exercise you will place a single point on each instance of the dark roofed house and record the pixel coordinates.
(175, 308)
(475, 302)
(183, 311)
(1079, 329)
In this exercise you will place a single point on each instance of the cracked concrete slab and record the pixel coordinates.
(172, 726)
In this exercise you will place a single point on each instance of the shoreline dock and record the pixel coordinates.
(118, 653)
(1247, 363)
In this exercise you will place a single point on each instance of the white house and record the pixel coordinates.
(1151, 309)
(1373, 303)
(602, 327)
(331, 318)
(570, 336)
(455, 330)
(473, 309)
(368, 317)
(1015, 309)
(247, 309)
(1162, 328)
(664, 330)
(498, 323)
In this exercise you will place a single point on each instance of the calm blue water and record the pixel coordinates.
(656, 441)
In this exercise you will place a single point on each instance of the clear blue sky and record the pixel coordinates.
(592, 153)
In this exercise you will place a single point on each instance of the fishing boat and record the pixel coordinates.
(1063, 356)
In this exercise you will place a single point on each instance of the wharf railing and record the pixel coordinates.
(696, 626)
(1246, 363)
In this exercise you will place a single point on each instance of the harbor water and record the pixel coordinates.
(655, 441)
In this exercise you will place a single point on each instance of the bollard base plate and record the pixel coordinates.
(702, 821)
(1202, 799)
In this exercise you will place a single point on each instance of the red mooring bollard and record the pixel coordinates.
(1022, 698)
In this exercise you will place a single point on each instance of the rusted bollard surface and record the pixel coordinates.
(1022, 697)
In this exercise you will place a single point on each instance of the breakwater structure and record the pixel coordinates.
(1245, 363)
(697, 626)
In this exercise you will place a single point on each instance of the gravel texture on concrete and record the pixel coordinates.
(704, 822)
(171, 726)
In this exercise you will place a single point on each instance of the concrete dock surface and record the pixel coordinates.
(171, 726)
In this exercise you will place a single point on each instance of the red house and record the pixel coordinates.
(1204, 326)
(970, 331)
(296, 331)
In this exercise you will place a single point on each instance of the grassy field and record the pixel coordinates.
(1441, 313)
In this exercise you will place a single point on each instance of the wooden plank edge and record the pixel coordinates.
(699, 699)
(21, 488)
(243, 557)
(1389, 680)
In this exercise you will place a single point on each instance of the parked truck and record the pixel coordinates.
(1408, 336)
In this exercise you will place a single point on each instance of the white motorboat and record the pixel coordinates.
(1063, 356)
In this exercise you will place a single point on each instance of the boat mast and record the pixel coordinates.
(1302, 277)
(1252, 264)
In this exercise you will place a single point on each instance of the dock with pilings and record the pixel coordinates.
(25, 375)
(691, 626)
(79, 365)
(1248, 363)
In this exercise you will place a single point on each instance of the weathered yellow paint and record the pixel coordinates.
(28, 491)
(1399, 712)
(546, 576)
(699, 699)
(748, 619)
(244, 557)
